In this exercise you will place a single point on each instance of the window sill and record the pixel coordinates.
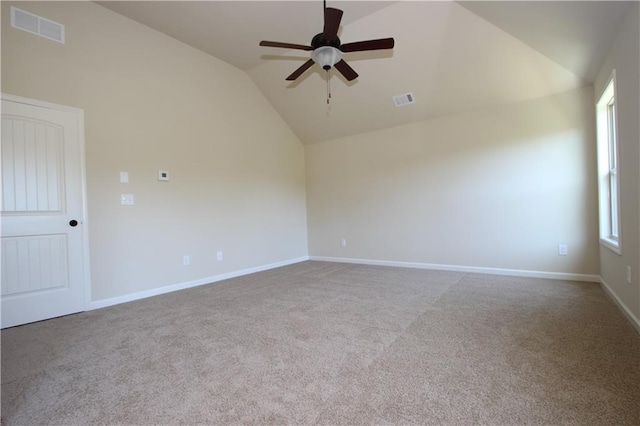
(612, 245)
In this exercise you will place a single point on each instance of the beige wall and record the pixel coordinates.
(151, 102)
(624, 56)
(497, 188)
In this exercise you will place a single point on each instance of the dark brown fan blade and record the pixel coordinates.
(285, 45)
(332, 18)
(346, 70)
(297, 73)
(359, 46)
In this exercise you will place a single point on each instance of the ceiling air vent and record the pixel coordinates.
(37, 25)
(402, 100)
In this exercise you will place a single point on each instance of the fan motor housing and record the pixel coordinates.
(319, 41)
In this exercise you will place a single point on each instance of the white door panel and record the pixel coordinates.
(42, 194)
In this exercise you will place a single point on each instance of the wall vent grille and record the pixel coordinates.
(37, 25)
(402, 100)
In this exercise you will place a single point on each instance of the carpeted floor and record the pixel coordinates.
(328, 343)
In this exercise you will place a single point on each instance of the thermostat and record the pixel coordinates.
(163, 175)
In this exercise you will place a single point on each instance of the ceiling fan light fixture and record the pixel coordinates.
(327, 49)
(326, 56)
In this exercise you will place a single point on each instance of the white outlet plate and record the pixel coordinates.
(186, 260)
(629, 274)
(124, 177)
(562, 250)
(219, 255)
(343, 242)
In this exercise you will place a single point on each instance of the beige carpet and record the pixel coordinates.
(327, 343)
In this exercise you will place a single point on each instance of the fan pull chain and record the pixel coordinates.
(328, 87)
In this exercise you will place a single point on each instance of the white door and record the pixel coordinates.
(43, 252)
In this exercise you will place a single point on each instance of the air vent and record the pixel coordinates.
(402, 100)
(37, 25)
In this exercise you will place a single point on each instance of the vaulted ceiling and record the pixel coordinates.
(453, 56)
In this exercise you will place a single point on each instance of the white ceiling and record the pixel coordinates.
(453, 56)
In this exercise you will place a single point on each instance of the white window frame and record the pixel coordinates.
(609, 166)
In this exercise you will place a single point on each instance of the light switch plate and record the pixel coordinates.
(124, 177)
(163, 175)
(127, 199)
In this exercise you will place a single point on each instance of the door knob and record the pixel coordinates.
(73, 223)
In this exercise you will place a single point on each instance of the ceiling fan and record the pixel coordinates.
(326, 48)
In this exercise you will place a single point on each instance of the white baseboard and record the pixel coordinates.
(635, 322)
(97, 304)
(470, 269)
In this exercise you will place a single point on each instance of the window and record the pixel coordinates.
(608, 172)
